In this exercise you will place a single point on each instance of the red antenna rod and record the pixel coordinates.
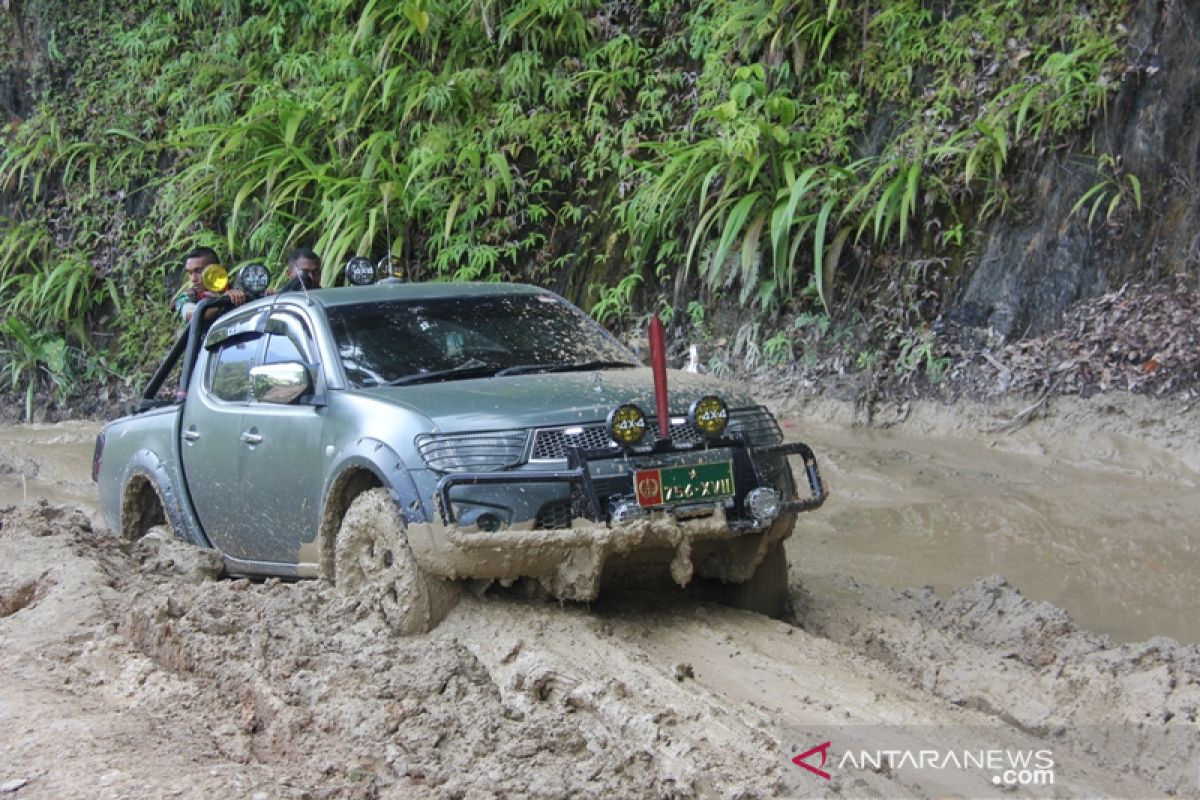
(658, 361)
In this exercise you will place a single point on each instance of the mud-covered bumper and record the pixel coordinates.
(569, 562)
(718, 538)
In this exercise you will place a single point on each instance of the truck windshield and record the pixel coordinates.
(451, 338)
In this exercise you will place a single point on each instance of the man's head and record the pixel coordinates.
(304, 264)
(195, 262)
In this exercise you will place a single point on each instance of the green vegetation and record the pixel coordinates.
(1113, 191)
(633, 156)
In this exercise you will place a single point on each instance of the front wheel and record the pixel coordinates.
(375, 567)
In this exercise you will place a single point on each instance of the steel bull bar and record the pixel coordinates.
(578, 475)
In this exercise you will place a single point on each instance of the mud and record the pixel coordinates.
(1091, 507)
(131, 671)
(569, 563)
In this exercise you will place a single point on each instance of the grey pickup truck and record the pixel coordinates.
(413, 435)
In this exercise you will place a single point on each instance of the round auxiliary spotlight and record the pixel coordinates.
(763, 504)
(627, 425)
(360, 271)
(389, 267)
(215, 278)
(709, 415)
(254, 278)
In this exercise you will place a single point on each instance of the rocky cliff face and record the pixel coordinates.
(16, 98)
(1035, 262)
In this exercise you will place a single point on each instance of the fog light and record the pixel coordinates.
(627, 425)
(488, 522)
(709, 415)
(360, 271)
(389, 267)
(763, 504)
(254, 278)
(214, 278)
(620, 512)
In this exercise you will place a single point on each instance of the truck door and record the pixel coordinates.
(212, 445)
(283, 466)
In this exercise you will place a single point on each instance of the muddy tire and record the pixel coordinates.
(767, 590)
(374, 566)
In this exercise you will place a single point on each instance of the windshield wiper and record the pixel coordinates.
(525, 369)
(470, 369)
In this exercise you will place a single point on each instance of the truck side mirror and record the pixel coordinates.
(279, 383)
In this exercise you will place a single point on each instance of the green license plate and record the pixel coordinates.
(689, 483)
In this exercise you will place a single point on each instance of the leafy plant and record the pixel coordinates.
(26, 354)
(1113, 191)
(919, 353)
(777, 350)
(616, 302)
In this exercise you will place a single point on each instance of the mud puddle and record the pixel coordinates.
(1099, 522)
(51, 461)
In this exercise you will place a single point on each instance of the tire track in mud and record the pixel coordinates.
(291, 690)
(758, 692)
(1129, 707)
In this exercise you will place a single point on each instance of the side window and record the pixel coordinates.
(287, 340)
(231, 369)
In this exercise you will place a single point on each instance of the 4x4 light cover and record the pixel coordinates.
(709, 415)
(627, 425)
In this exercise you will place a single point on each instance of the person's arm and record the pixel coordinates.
(236, 297)
(184, 304)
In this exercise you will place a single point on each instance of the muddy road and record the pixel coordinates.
(976, 615)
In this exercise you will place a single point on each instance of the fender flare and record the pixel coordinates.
(150, 466)
(365, 455)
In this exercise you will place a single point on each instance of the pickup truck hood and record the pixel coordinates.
(548, 399)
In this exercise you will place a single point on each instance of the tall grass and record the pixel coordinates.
(736, 147)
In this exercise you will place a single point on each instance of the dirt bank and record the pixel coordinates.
(130, 672)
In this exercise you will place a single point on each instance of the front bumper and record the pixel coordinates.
(748, 467)
(569, 562)
(715, 538)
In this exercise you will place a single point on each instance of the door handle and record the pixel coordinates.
(191, 436)
(251, 438)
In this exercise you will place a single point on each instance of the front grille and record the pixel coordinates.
(472, 452)
(550, 444)
(755, 424)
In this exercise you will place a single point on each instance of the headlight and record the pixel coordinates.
(627, 425)
(360, 271)
(709, 415)
(214, 278)
(253, 278)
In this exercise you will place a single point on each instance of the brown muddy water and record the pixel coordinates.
(1101, 524)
